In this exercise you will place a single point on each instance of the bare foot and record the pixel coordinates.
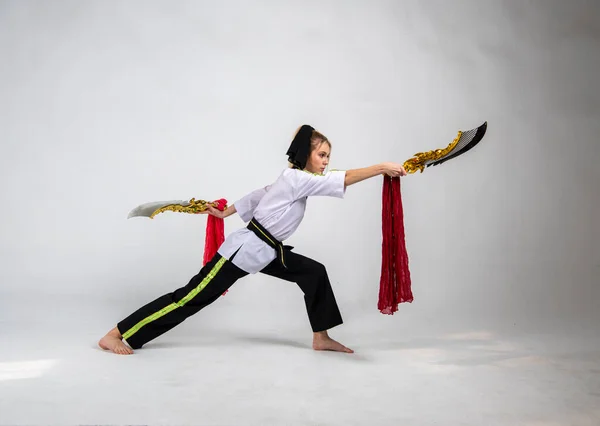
(113, 341)
(322, 342)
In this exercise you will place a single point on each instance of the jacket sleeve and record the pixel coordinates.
(330, 184)
(245, 206)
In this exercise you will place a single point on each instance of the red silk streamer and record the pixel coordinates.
(215, 233)
(394, 284)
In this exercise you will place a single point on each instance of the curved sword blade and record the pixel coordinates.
(147, 209)
(479, 133)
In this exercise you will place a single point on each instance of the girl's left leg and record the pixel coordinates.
(167, 311)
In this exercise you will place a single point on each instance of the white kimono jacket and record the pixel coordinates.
(279, 208)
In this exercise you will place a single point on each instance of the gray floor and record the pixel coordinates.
(413, 374)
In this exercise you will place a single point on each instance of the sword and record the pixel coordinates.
(182, 206)
(463, 142)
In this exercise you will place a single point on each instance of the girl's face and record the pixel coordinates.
(319, 158)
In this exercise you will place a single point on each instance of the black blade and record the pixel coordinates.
(476, 139)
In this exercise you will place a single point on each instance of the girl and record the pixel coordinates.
(273, 213)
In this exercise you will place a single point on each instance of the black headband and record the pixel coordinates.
(300, 148)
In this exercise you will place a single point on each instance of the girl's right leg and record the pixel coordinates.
(321, 306)
(171, 309)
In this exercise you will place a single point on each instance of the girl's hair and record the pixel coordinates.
(316, 139)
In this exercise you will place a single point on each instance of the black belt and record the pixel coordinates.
(264, 235)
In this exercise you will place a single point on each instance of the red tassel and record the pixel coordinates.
(394, 284)
(215, 233)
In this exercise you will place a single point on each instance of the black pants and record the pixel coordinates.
(171, 309)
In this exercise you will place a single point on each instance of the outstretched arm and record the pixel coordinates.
(357, 175)
(334, 183)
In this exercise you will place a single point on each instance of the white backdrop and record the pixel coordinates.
(106, 105)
